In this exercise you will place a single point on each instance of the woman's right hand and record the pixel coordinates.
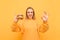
(17, 17)
(15, 26)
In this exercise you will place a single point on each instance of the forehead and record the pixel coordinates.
(30, 10)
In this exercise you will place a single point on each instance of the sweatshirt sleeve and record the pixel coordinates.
(15, 27)
(43, 27)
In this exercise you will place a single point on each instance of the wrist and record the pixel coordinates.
(45, 22)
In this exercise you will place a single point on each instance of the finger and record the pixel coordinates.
(15, 18)
(44, 18)
(45, 12)
(45, 15)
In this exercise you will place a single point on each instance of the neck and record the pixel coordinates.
(30, 18)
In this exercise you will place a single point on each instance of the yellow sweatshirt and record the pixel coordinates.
(29, 29)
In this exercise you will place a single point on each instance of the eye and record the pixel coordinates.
(28, 12)
(31, 12)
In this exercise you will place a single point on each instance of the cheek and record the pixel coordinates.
(28, 14)
(32, 14)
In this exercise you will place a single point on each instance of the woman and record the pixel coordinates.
(30, 28)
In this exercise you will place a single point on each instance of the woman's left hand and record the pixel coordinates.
(45, 17)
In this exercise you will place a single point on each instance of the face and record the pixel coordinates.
(30, 13)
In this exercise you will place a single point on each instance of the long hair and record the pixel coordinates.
(33, 13)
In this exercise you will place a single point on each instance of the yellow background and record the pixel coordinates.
(10, 8)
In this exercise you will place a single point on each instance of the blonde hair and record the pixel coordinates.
(33, 13)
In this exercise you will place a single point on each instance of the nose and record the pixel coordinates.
(30, 13)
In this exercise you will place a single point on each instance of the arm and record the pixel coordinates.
(43, 27)
(15, 26)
